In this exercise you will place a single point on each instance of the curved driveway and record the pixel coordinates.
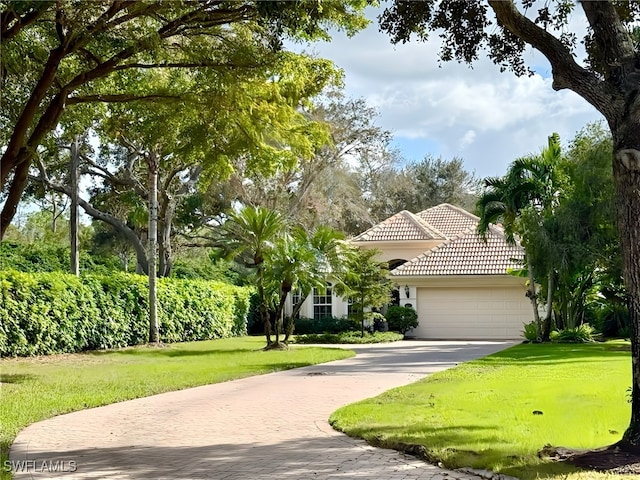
(265, 427)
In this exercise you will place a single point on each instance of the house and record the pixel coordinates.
(459, 284)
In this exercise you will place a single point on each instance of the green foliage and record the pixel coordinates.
(349, 337)
(401, 319)
(530, 332)
(364, 282)
(304, 325)
(49, 257)
(47, 313)
(203, 268)
(561, 207)
(376, 322)
(607, 309)
(419, 185)
(580, 334)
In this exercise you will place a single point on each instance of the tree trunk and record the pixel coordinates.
(362, 317)
(626, 171)
(124, 259)
(18, 184)
(294, 313)
(74, 216)
(21, 158)
(154, 330)
(532, 296)
(264, 314)
(546, 327)
(164, 239)
(54, 217)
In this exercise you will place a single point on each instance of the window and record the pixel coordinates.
(322, 303)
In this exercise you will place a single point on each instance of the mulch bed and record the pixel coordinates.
(609, 460)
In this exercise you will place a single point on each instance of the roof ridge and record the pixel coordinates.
(374, 228)
(453, 207)
(424, 225)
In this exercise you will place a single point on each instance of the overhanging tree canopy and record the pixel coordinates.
(63, 54)
(609, 80)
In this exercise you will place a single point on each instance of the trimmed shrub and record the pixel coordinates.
(375, 322)
(581, 334)
(304, 325)
(349, 337)
(401, 319)
(47, 313)
(51, 257)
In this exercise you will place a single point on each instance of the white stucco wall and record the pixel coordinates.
(457, 307)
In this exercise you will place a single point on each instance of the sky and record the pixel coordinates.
(486, 118)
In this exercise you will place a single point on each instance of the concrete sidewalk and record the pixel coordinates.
(265, 427)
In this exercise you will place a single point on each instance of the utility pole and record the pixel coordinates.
(74, 220)
(152, 161)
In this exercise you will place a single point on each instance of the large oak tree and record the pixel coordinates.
(609, 80)
(59, 56)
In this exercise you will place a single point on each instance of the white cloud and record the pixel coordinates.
(485, 117)
(467, 139)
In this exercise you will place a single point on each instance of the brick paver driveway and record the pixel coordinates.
(266, 427)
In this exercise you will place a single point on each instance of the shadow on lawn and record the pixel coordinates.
(433, 437)
(461, 446)
(15, 377)
(557, 353)
(169, 351)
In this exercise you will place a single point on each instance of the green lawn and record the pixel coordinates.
(480, 414)
(33, 389)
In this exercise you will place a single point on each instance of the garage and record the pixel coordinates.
(483, 312)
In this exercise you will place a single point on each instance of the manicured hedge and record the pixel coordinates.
(45, 313)
(304, 325)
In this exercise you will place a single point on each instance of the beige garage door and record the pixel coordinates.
(472, 313)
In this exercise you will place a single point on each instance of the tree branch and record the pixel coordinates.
(121, 98)
(610, 35)
(566, 72)
(116, 223)
(100, 25)
(9, 30)
(11, 157)
(202, 64)
(102, 172)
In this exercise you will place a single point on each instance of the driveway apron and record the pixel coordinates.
(264, 427)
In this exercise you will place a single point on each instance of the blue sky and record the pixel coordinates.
(485, 117)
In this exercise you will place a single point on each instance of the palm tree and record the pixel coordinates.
(249, 237)
(528, 193)
(302, 262)
(292, 263)
(502, 201)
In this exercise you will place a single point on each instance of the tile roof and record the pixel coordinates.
(402, 226)
(449, 220)
(466, 254)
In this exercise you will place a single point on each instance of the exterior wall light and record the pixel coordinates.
(407, 291)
